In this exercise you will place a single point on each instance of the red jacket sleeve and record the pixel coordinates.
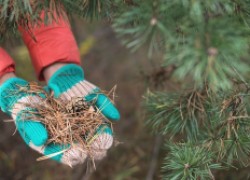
(48, 44)
(6, 63)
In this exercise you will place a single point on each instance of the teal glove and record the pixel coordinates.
(13, 101)
(68, 82)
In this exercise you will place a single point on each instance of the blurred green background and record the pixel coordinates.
(106, 63)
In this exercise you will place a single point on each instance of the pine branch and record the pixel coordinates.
(193, 37)
(175, 114)
(138, 24)
(218, 122)
(26, 12)
(189, 162)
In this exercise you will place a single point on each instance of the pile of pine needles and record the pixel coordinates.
(68, 123)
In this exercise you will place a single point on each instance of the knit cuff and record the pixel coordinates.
(65, 78)
(7, 64)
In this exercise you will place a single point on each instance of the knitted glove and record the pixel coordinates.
(13, 101)
(68, 82)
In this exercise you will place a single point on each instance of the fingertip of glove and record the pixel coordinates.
(55, 89)
(110, 111)
(113, 114)
(104, 104)
(104, 139)
(40, 138)
(104, 129)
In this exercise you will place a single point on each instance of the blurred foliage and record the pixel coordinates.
(24, 67)
(86, 45)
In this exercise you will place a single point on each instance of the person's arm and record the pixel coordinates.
(7, 66)
(50, 44)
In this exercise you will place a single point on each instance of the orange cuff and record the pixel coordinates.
(6, 63)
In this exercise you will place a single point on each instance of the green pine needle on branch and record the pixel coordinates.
(206, 40)
(208, 43)
(219, 123)
(25, 12)
(189, 162)
(173, 114)
(138, 24)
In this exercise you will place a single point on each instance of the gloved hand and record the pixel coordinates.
(69, 82)
(13, 101)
